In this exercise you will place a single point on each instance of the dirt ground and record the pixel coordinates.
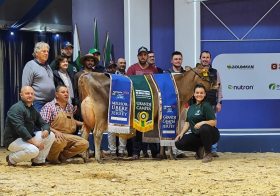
(230, 174)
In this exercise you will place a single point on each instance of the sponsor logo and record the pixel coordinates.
(241, 87)
(241, 67)
(275, 66)
(274, 86)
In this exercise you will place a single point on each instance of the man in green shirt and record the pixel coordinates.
(20, 136)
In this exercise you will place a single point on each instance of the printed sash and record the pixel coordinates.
(168, 108)
(119, 104)
(143, 118)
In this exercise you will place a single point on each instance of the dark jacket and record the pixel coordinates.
(21, 122)
(212, 95)
(172, 71)
(72, 66)
(98, 68)
(58, 81)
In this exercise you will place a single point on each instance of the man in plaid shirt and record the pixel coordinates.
(59, 114)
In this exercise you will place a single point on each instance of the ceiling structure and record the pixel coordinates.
(56, 17)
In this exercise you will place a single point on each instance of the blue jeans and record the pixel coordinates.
(38, 105)
(214, 147)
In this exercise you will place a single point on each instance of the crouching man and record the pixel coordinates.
(59, 114)
(20, 135)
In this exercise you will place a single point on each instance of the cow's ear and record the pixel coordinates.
(199, 66)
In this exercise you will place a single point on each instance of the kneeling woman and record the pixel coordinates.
(201, 120)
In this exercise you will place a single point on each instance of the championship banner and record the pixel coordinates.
(168, 108)
(119, 104)
(143, 118)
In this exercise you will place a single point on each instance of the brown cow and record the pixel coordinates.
(94, 93)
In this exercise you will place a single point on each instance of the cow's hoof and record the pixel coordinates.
(181, 156)
(162, 156)
(157, 157)
(172, 157)
(100, 161)
(86, 160)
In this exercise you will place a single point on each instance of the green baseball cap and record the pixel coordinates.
(93, 51)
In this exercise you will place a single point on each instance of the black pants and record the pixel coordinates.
(154, 147)
(138, 145)
(207, 136)
(129, 147)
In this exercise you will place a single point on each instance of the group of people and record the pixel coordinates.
(43, 125)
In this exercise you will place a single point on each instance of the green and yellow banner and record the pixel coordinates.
(143, 118)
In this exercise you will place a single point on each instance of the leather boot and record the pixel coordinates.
(208, 158)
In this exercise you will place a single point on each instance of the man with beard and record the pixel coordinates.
(97, 68)
(142, 68)
(214, 97)
(176, 61)
(88, 61)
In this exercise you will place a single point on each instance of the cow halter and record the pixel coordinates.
(202, 77)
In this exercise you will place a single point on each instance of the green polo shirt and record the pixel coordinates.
(21, 122)
(199, 112)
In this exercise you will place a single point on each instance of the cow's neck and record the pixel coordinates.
(185, 84)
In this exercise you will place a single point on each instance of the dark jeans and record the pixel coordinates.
(38, 105)
(154, 147)
(207, 136)
(138, 145)
(129, 147)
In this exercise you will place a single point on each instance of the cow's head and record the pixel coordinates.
(203, 77)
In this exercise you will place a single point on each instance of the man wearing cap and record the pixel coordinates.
(111, 68)
(141, 68)
(96, 54)
(67, 51)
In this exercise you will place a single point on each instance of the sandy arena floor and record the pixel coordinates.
(230, 174)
